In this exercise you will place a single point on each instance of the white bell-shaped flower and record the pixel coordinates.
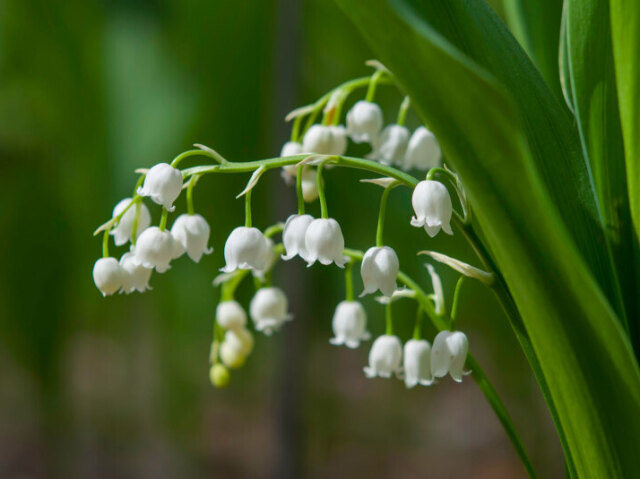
(268, 309)
(191, 233)
(246, 248)
(324, 242)
(230, 315)
(349, 324)
(108, 275)
(432, 205)
(135, 276)
(289, 172)
(309, 184)
(272, 258)
(385, 357)
(123, 230)
(379, 270)
(319, 139)
(231, 355)
(293, 236)
(339, 140)
(162, 184)
(423, 152)
(390, 146)
(241, 339)
(448, 354)
(155, 249)
(417, 363)
(364, 122)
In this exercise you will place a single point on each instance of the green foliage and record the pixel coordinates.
(544, 215)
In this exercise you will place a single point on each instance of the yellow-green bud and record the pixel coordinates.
(219, 375)
(232, 356)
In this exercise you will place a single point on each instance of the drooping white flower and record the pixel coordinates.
(107, 275)
(339, 140)
(319, 139)
(230, 315)
(385, 357)
(155, 249)
(324, 242)
(364, 122)
(432, 205)
(293, 236)
(246, 248)
(349, 324)
(191, 233)
(268, 309)
(423, 152)
(231, 355)
(448, 354)
(135, 276)
(241, 339)
(390, 146)
(417, 363)
(309, 184)
(289, 172)
(272, 258)
(162, 184)
(379, 270)
(123, 230)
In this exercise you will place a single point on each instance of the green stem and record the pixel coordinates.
(295, 129)
(373, 83)
(209, 153)
(323, 199)
(163, 219)
(136, 220)
(382, 214)
(299, 193)
(388, 320)
(454, 306)
(105, 243)
(247, 209)
(348, 281)
(417, 328)
(402, 112)
(192, 184)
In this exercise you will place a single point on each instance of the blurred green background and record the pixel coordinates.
(118, 387)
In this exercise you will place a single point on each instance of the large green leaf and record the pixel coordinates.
(473, 28)
(585, 358)
(595, 101)
(536, 25)
(625, 30)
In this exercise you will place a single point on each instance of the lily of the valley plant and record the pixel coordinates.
(541, 178)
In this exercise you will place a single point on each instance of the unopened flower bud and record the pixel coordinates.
(123, 230)
(417, 363)
(379, 270)
(219, 375)
(231, 355)
(241, 339)
(155, 249)
(423, 152)
(230, 315)
(364, 122)
(309, 184)
(246, 248)
(390, 146)
(162, 184)
(324, 242)
(107, 275)
(432, 206)
(349, 324)
(385, 357)
(191, 233)
(135, 276)
(268, 309)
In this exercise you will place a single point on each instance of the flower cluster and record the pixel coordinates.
(252, 252)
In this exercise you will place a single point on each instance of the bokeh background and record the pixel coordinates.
(118, 387)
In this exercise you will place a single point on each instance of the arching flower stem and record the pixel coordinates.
(163, 219)
(192, 183)
(348, 280)
(417, 328)
(247, 209)
(324, 213)
(388, 319)
(299, 193)
(454, 305)
(402, 112)
(382, 213)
